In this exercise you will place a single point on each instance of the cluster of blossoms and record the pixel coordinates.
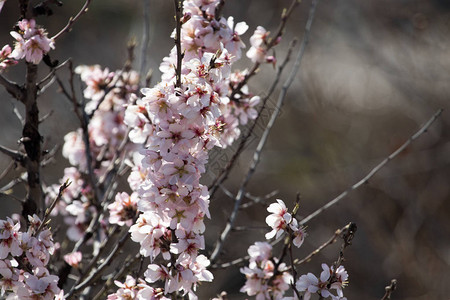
(328, 280)
(266, 278)
(31, 43)
(108, 93)
(260, 272)
(178, 126)
(23, 260)
(281, 220)
(131, 289)
(259, 47)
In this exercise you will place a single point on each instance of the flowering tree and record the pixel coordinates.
(159, 137)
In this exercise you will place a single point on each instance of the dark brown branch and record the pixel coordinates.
(31, 140)
(72, 20)
(178, 12)
(218, 11)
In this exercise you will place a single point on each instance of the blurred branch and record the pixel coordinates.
(72, 20)
(218, 11)
(98, 271)
(145, 40)
(253, 199)
(12, 88)
(50, 76)
(126, 269)
(389, 289)
(84, 121)
(377, 168)
(223, 175)
(15, 155)
(262, 141)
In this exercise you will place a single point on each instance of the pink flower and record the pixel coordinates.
(73, 259)
(10, 238)
(298, 233)
(278, 220)
(123, 209)
(5, 53)
(32, 42)
(310, 284)
(258, 50)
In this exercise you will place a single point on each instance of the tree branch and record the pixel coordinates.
(377, 168)
(178, 12)
(72, 20)
(389, 289)
(262, 142)
(12, 88)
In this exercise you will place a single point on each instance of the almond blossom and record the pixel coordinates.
(5, 55)
(260, 274)
(31, 43)
(278, 220)
(310, 284)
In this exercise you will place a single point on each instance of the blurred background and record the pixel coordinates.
(373, 73)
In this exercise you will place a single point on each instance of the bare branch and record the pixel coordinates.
(272, 42)
(145, 40)
(15, 155)
(329, 242)
(223, 175)
(46, 218)
(12, 88)
(72, 20)
(262, 142)
(377, 168)
(98, 271)
(389, 289)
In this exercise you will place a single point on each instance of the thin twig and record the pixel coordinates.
(72, 20)
(389, 289)
(272, 42)
(223, 174)
(15, 155)
(329, 242)
(377, 168)
(98, 271)
(145, 41)
(262, 141)
(7, 170)
(50, 75)
(12, 88)
(46, 218)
